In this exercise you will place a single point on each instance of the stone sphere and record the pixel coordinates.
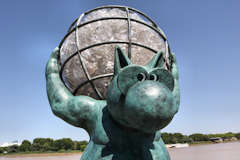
(87, 50)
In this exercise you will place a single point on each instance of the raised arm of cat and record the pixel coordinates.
(79, 111)
(176, 92)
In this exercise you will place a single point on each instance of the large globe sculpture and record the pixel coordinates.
(87, 50)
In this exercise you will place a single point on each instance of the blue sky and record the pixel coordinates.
(205, 36)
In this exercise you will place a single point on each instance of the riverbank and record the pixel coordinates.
(210, 142)
(40, 154)
(70, 153)
(218, 151)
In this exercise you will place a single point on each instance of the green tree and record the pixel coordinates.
(42, 144)
(1, 150)
(171, 138)
(81, 145)
(167, 138)
(64, 143)
(25, 146)
(237, 135)
(47, 147)
(186, 139)
(228, 135)
(197, 137)
(179, 138)
(12, 149)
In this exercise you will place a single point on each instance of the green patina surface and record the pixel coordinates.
(141, 101)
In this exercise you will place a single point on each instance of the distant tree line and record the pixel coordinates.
(46, 145)
(172, 138)
(66, 144)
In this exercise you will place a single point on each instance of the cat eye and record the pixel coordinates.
(141, 76)
(153, 77)
(163, 76)
(129, 76)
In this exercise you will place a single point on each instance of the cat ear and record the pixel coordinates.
(156, 61)
(120, 60)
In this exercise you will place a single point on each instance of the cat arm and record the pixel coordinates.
(79, 111)
(176, 92)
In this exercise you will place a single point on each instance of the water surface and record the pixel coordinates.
(221, 151)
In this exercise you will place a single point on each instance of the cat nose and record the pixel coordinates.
(151, 88)
(152, 97)
(149, 106)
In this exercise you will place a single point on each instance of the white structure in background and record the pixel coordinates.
(178, 145)
(6, 144)
(216, 139)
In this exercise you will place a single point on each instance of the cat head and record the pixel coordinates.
(140, 97)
